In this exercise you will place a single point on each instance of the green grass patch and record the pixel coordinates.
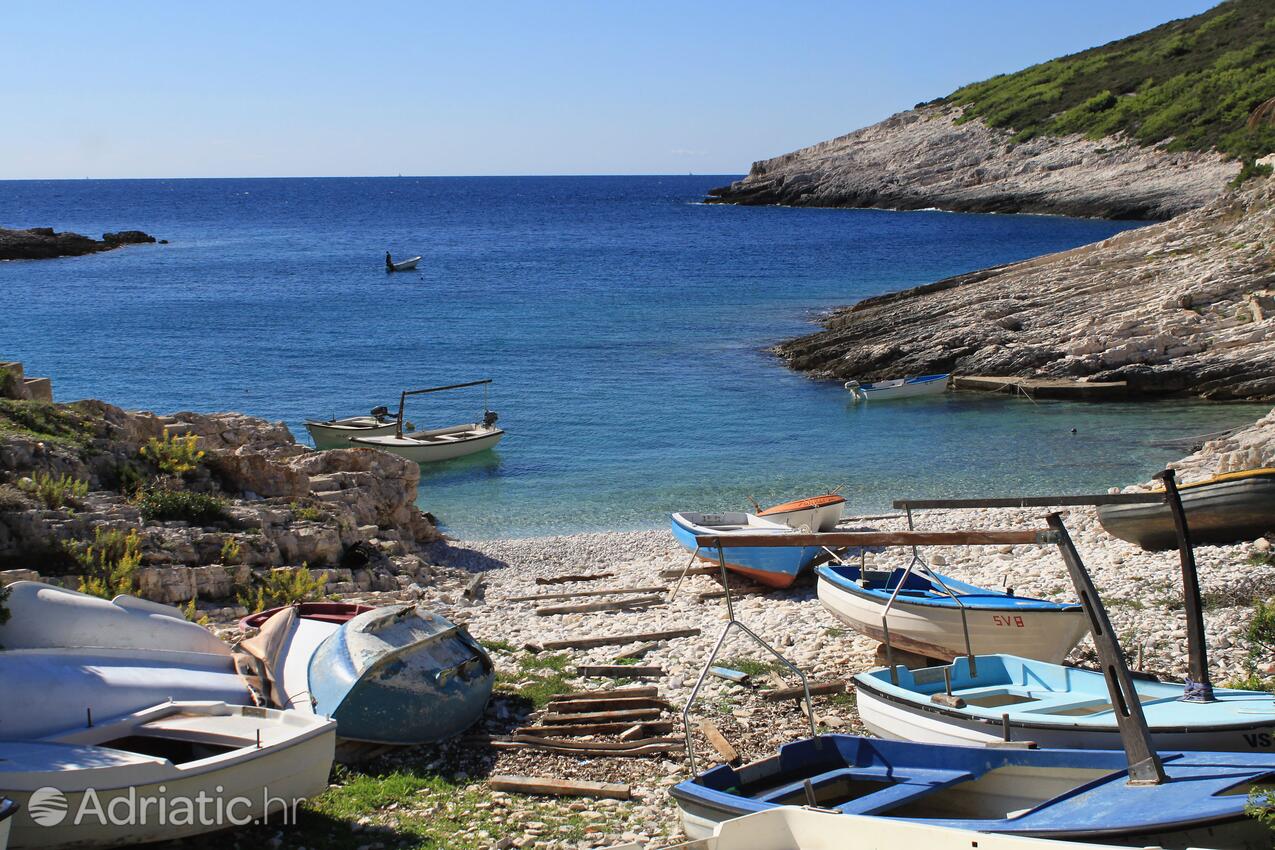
(752, 666)
(538, 679)
(1189, 84)
(63, 424)
(498, 646)
(200, 509)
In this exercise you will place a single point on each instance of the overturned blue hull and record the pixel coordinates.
(400, 675)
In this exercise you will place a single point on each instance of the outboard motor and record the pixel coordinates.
(489, 418)
(380, 412)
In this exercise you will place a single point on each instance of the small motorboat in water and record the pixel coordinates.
(771, 566)
(252, 763)
(402, 265)
(438, 444)
(915, 387)
(816, 513)
(336, 433)
(926, 617)
(1230, 508)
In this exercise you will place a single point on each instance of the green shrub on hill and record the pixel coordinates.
(1189, 84)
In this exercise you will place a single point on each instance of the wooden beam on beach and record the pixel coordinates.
(566, 579)
(631, 715)
(612, 746)
(638, 651)
(576, 594)
(578, 706)
(616, 640)
(1032, 501)
(647, 727)
(614, 693)
(600, 752)
(837, 539)
(816, 689)
(588, 607)
(715, 737)
(549, 786)
(692, 571)
(620, 671)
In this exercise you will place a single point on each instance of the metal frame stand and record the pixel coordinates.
(732, 623)
(1198, 686)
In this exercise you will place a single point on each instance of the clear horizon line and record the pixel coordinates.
(386, 176)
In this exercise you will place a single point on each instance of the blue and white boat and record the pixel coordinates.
(400, 674)
(926, 617)
(1076, 795)
(915, 387)
(1054, 706)
(776, 566)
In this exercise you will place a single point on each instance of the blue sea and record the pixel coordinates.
(624, 323)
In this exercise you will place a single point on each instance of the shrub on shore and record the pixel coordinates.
(282, 587)
(109, 564)
(56, 492)
(173, 455)
(157, 503)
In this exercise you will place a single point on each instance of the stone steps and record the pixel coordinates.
(22, 388)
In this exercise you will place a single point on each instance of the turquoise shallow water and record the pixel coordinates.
(624, 324)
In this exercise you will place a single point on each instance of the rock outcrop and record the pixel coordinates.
(41, 243)
(1186, 305)
(924, 158)
(1249, 448)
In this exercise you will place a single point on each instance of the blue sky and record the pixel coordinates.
(224, 89)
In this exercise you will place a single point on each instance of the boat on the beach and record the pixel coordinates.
(773, 567)
(323, 612)
(926, 617)
(403, 265)
(438, 444)
(801, 828)
(246, 763)
(913, 387)
(336, 433)
(1230, 508)
(815, 513)
(400, 674)
(1052, 705)
(1074, 795)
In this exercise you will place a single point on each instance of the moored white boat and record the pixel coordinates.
(799, 828)
(914, 387)
(771, 566)
(816, 513)
(336, 433)
(1054, 706)
(926, 619)
(436, 445)
(87, 788)
(405, 265)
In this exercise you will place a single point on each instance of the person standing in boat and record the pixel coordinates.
(389, 262)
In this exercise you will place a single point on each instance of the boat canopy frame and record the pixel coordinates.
(402, 399)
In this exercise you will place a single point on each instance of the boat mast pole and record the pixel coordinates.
(1198, 686)
(1145, 767)
(398, 427)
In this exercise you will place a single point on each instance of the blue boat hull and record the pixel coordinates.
(414, 686)
(773, 567)
(1063, 794)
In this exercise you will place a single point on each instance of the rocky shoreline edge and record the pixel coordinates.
(42, 243)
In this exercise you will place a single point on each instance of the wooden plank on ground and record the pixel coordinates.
(613, 591)
(728, 753)
(638, 651)
(834, 539)
(619, 704)
(648, 750)
(615, 605)
(816, 689)
(616, 640)
(631, 715)
(619, 671)
(693, 571)
(640, 691)
(567, 579)
(612, 746)
(647, 727)
(558, 787)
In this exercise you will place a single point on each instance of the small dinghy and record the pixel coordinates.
(926, 617)
(1231, 508)
(394, 675)
(323, 612)
(1053, 706)
(773, 567)
(402, 265)
(799, 828)
(817, 513)
(187, 767)
(1074, 795)
(438, 444)
(336, 433)
(916, 387)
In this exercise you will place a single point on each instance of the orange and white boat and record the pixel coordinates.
(817, 513)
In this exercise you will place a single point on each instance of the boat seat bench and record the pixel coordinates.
(895, 787)
(1045, 701)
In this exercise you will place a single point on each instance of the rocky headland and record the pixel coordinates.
(1180, 306)
(42, 243)
(926, 158)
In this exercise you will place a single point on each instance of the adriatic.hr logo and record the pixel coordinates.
(49, 807)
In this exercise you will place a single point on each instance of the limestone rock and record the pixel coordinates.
(39, 243)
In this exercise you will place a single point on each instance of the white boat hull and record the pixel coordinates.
(936, 632)
(336, 434)
(887, 718)
(897, 389)
(434, 446)
(406, 265)
(236, 778)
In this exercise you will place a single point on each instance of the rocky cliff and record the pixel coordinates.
(41, 243)
(925, 158)
(1181, 306)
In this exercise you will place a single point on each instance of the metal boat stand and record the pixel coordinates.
(1198, 686)
(732, 623)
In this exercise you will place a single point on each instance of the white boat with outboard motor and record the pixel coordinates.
(438, 444)
(336, 433)
(914, 387)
